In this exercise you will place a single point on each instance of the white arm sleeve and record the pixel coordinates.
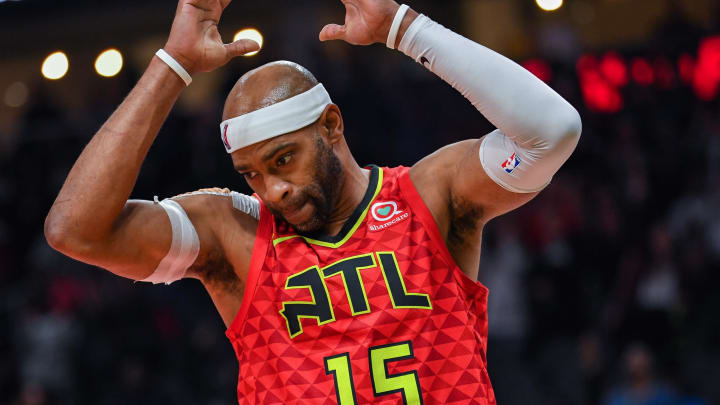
(184, 248)
(537, 128)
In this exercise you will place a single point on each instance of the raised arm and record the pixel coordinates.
(537, 128)
(91, 219)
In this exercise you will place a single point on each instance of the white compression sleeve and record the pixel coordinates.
(184, 248)
(537, 128)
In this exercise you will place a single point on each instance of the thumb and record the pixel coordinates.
(332, 31)
(241, 47)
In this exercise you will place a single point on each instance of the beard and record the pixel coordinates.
(322, 193)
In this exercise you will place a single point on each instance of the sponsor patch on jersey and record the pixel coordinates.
(386, 214)
(511, 163)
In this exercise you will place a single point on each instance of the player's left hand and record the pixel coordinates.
(366, 22)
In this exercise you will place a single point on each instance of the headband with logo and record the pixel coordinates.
(286, 116)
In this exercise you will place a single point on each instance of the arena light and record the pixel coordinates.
(55, 66)
(706, 79)
(109, 63)
(613, 68)
(250, 33)
(642, 72)
(16, 94)
(549, 5)
(686, 68)
(539, 68)
(599, 94)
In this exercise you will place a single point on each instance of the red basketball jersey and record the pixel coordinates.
(378, 314)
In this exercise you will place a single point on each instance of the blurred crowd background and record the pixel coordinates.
(603, 289)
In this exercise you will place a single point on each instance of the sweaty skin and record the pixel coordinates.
(289, 172)
(272, 83)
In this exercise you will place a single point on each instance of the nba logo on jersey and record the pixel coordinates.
(511, 163)
(387, 214)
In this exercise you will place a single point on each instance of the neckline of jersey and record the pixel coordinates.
(351, 225)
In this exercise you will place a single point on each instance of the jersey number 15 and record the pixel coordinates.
(407, 384)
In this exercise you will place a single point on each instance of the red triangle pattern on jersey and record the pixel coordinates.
(448, 341)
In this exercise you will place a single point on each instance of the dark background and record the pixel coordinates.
(603, 289)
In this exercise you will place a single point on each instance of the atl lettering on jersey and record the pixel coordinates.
(379, 313)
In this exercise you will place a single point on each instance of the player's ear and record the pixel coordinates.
(332, 124)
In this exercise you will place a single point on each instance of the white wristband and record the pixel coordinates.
(174, 65)
(395, 27)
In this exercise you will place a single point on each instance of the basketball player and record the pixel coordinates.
(337, 283)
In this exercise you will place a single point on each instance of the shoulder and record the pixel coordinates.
(454, 177)
(437, 170)
(433, 177)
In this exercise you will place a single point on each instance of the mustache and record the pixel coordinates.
(297, 201)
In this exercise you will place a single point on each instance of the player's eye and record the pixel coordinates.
(249, 175)
(284, 159)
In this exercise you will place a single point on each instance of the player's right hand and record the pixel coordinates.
(194, 38)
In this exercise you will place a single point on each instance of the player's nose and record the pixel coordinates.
(277, 190)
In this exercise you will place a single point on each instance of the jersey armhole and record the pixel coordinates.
(263, 240)
(423, 213)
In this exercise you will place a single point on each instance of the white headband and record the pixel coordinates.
(286, 116)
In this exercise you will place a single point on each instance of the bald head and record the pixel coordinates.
(266, 85)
